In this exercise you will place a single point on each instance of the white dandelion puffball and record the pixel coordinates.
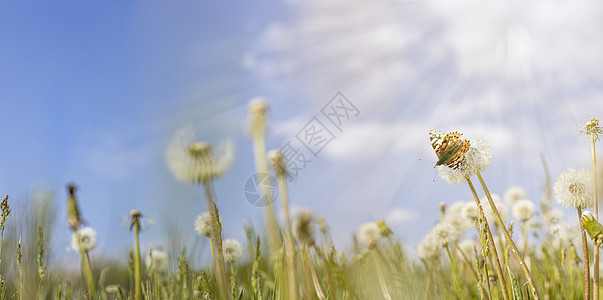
(443, 234)
(368, 233)
(157, 260)
(427, 249)
(194, 161)
(232, 250)
(514, 194)
(553, 217)
(203, 224)
(573, 188)
(87, 239)
(524, 210)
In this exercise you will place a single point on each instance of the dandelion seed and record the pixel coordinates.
(157, 260)
(573, 188)
(194, 161)
(232, 250)
(524, 210)
(88, 239)
(514, 194)
(443, 234)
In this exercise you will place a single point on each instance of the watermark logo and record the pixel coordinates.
(261, 189)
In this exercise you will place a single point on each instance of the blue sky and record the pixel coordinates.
(91, 93)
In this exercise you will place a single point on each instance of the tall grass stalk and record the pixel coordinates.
(499, 271)
(279, 166)
(586, 261)
(453, 267)
(380, 276)
(3, 217)
(19, 256)
(216, 236)
(519, 257)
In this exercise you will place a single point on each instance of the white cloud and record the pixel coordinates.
(400, 215)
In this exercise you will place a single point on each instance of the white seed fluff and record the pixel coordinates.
(87, 241)
(232, 250)
(157, 260)
(368, 233)
(524, 210)
(514, 194)
(573, 188)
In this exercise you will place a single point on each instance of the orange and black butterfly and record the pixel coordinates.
(449, 148)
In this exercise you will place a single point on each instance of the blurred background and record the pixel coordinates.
(92, 93)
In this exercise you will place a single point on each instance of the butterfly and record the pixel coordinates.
(449, 148)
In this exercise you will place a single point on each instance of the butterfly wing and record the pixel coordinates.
(450, 149)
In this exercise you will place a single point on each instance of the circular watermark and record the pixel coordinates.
(261, 189)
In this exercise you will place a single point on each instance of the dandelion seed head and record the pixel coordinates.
(278, 162)
(573, 188)
(524, 210)
(157, 260)
(203, 224)
(592, 128)
(303, 226)
(258, 112)
(552, 218)
(476, 159)
(427, 249)
(369, 233)
(514, 194)
(443, 234)
(194, 161)
(87, 239)
(232, 250)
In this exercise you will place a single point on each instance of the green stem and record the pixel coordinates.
(586, 262)
(499, 271)
(524, 267)
(596, 213)
(137, 273)
(290, 252)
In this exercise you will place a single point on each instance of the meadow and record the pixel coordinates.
(493, 247)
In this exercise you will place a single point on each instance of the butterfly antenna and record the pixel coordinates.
(434, 174)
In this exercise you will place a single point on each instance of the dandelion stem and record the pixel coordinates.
(216, 235)
(137, 275)
(290, 252)
(596, 213)
(586, 262)
(524, 267)
(499, 271)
